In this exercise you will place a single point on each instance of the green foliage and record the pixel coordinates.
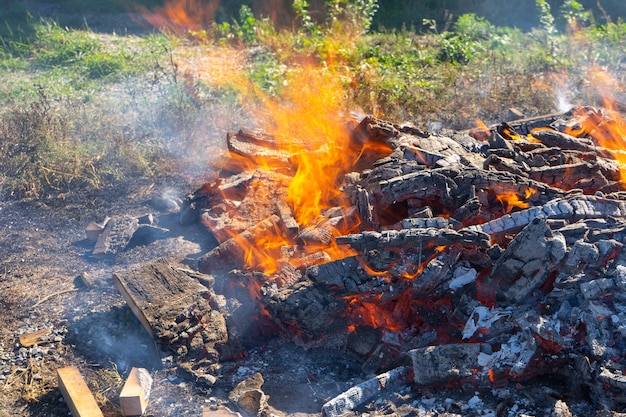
(546, 20)
(473, 27)
(268, 72)
(457, 49)
(358, 14)
(301, 10)
(574, 14)
(245, 28)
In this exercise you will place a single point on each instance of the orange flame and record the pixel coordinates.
(608, 130)
(370, 313)
(311, 144)
(510, 200)
(181, 16)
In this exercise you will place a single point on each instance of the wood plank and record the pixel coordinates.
(136, 392)
(33, 338)
(76, 393)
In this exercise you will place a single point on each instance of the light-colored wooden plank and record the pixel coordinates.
(136, 392)
(76, 393)
(34, 338)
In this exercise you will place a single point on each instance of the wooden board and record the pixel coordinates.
(76, 393)
(135, 393)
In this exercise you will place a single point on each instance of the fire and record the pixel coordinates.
(181, 16)
(370, 312)
(313, 112)
(608, 131)
(311, 143)
(511, 200)
(483, 129)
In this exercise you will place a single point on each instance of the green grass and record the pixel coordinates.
(85, 109)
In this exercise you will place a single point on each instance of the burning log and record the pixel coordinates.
(256, 145)
(76, 393)
(232, 252)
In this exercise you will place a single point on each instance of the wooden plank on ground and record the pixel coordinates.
(76, 393)
(136, 392)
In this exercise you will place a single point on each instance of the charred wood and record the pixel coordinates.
(414, 238)
(357, 395)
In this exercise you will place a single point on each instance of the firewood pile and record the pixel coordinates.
(483, 257)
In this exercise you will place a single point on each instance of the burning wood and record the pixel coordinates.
(485, 257)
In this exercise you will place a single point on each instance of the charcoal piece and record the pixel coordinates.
(499, 182)
(597, 287)
(425, 185)
(599, 330)
(466, 141)
(146, 234)
(438, 271)
(554, 138)
(613, 379)
(371, 129)
(414, 238)
(528, 125)
(116, 235)
(469, 209)
(425, 223)
(306, 312)
(504, 165)
(528, 259)
(496, 141)
(574, 232)
(573, 208)
(357, 395)
(345, 273)
(581, 253)
(569, 176)
(365, 208)
(442, 363)
(435, 151)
